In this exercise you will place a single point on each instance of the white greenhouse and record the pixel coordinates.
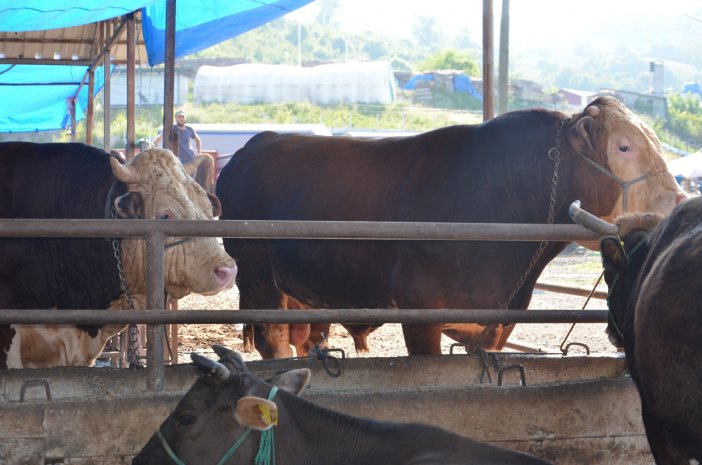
(365, 82)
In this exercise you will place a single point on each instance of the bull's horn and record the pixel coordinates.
(224, 352)
(212, 368)
(128, 174)
(589, 221)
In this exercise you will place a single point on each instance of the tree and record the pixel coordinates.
(426, 32)
(451, 59)
(327, 11)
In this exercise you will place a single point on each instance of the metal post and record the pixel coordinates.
(155, 301)
(131, 87)
(91, 105)
(169, 74)
(72, 111)
(503, 65)
(106, 30)
(488, 63)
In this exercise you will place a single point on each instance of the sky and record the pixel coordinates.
(532, 22)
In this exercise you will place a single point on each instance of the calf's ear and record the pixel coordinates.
(256, 413)
(613, 255)
(293, 381)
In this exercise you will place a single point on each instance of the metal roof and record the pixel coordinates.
(70, 46)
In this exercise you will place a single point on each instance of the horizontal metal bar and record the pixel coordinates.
(354, 230)
(571, 290)
(419, 316)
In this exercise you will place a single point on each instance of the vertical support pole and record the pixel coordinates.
(105, 33)
(488, 62)
(72, 111)
(131, 85)
(503, 65)
(169, 74)
(155, 301)
(91, 106)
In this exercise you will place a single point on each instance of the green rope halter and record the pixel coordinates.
(266, 449)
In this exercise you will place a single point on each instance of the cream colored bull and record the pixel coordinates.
(158, 188)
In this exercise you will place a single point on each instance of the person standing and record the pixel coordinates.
(199, 166)
(181, 136)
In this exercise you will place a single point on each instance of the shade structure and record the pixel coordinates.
(36, 99)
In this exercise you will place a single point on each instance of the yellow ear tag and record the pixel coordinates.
(269, 416)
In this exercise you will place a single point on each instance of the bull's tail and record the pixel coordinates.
(248, 336)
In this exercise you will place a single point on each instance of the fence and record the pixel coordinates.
(155, 233)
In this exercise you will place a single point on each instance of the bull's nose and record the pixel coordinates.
(225, 275)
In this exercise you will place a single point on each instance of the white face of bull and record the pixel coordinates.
(166, 192)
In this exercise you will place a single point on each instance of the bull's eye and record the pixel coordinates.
(164, 216)
(624, 148)
(187, 420)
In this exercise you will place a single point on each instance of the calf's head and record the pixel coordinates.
(227, 403)
(160, 189)
(622, 258)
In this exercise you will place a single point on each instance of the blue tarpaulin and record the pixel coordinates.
(199, 24)
(36, 97)
(202, 23)
(461, 83)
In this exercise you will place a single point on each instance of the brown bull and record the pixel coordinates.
(521, 167)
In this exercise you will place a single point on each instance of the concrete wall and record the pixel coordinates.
(573, 410)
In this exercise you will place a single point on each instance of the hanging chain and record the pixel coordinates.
(554, 154)
(133, 343)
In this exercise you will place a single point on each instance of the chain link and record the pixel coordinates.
(133, 344)
(554, 154)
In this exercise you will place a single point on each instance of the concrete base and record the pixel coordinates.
(573, 410)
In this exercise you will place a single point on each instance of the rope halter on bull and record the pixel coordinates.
(266, 448)
(625, 185)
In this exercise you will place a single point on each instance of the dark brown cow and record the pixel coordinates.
(231, 412)
(521, 167)
(83, 182)
(652, 269)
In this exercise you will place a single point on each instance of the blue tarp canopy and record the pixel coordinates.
(199, 24)
(36, 97)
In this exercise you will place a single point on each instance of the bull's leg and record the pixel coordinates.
(422, 339)
(271, 341)
(319, 332)
(359, 333)
(506, 331)
(475, 336)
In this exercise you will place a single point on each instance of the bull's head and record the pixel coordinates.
(159, 188)
(622, 151)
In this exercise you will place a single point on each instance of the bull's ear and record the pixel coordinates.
(293, 381)
(216, 204)
(583, 135)
(613, 255)
(129, 206)
(256, 413)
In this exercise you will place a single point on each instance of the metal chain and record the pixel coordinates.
(132, 329)
(554, 154)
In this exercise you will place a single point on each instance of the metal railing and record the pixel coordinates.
(157, 231)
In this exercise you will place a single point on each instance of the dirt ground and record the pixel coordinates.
(577, 266)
